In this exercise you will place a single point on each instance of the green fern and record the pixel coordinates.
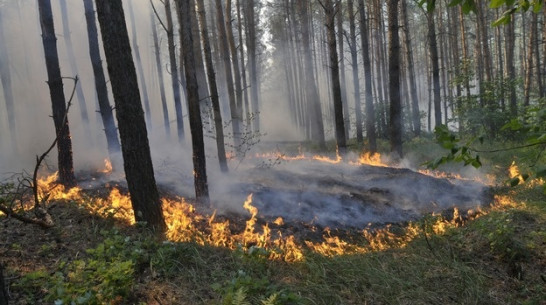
(272, 300)
(239, 297)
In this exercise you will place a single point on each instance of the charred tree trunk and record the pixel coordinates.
(137, 160)
(5, 77)
(354, 63)
(370, 111)
(196, 125)
(157, 50)
(415, 113)
(218, 125)
(395, 112)
(58, 102)
(105, 108)
(136, 49)
(311, 91)
(331, 11)
(73, 66)
(174, 72)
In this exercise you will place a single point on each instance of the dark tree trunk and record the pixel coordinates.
(354, 63)
(331, 11)
(510, 68)
(433, 49)
(138, 63)
(174, 72)
(196, 125)
(105, 108)
(58, 102)
(311, 91)
(370, 111)
(218, 125)
(157, 50)
(5, 77)
(339, 20)
(530, 64)
(4, 297)
(395, 127)
(415, 113)
(73, 66)
(137, 160)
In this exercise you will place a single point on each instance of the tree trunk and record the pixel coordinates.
(137, 160)
(331, 11)
(234, 57)
(218, 125)
(174, 72)
(157, 52)
(311, 91)
(529, 71)
(246, 101)
(74, 67)
(5, 78)
(510, 68)
(395, 112)
(370, 111)
(354, 63)
(250, 26)
(58, 102)
(415, 113)
(433, 49)
(4, 297)
(105, 108)
(196, 125)
(343, 83)
(139, 66)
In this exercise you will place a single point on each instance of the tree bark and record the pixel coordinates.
(354, 64)
(510, 68)
(395, 112)
(105, 108)
(196, 125)
(341, 47)
(157, 49)
(58, 102)
(370, 109)
(137, 160)
(234, 56)
(218, 125)
(250, 26)
(529, 66)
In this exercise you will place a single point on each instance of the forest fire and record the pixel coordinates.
(278, 208)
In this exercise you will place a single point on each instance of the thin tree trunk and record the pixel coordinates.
(136, 49)
(342, 80)
(105, 109)
(218, 125)
(354, 62)
(58, 102)
(234, 58)
(331, 11)
(157, 50)
(311, 91)
(196, 125)
(370, 111)
(394, 80)
(174, 72)
(529, 71)
(74, 66)
(416, 115)
(246, 101)
(433, 49)
(137, 160)
(251, 37)
(510, 68)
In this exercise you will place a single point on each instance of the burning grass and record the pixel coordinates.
(216, 257)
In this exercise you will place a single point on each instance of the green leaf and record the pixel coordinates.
(496, 3)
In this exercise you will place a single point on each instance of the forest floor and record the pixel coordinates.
(494, 256)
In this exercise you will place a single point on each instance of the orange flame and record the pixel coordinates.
(107, 166)
(374, 159)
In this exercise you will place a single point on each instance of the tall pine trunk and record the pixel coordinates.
(395, 112)
(196, 124)
(157, 49)
(211, 74)
(370, 109)
(58, 102)
(250, 26)
(415, 113)
(5, 78)
(433, 49)
(354, 65)
(137, 160)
